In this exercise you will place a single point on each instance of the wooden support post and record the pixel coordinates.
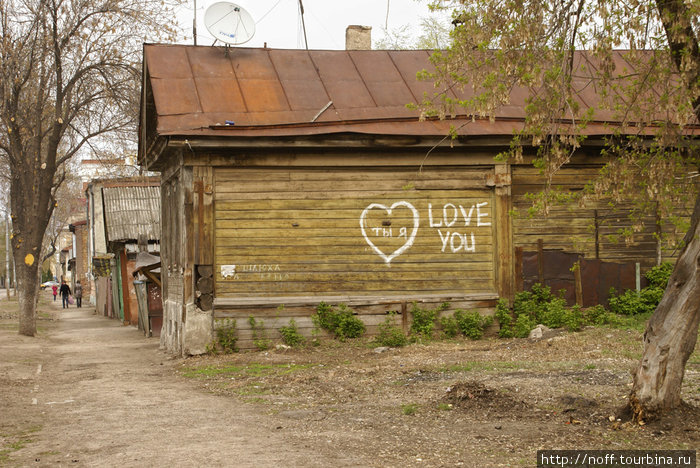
(597, 234)
(187, 240)
(540, 261)
(578, 283)
(404, 316)
(505, 270)
(519, 269)
(125, 286)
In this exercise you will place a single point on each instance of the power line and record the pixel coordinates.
(269, 11)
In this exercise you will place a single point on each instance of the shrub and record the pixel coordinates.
(259, 335)
(537, 306)
(390, 335)
(659, 275)
(523, 325)
(599, 315)
(291, 336)
(340, 321)
(472, 323)
(226, 335)
(632, 303)
(505, 319)
(424, 320)
(573, 319)
(553, 313)
(450, 327)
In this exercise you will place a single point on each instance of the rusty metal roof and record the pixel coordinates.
(271, 93)
(131, 212)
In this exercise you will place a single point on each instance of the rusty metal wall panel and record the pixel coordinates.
(597, 276)
(131, 212)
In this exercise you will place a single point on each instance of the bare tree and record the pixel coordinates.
(432, 35)
(651, 90)
(69, 71)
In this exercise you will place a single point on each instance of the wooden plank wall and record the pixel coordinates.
(294, 237)
(352, 232)
(372, 315)
(590, 230)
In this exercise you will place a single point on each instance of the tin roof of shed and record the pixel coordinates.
(272, 93)
(132, 211)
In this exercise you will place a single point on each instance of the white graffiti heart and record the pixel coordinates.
(409, 239)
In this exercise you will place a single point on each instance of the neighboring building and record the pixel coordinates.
(64, 254)
(291, 177)
(123, 219)
(79, 264)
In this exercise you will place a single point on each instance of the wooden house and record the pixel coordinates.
(291, 177)
(123, 219)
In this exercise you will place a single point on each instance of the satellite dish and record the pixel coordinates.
(229, 23)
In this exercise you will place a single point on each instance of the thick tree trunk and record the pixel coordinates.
(30, 216)
(671, 334)
(28, 291)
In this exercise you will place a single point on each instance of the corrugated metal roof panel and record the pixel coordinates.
(131, 212)
(197, 89)
(346, 87)
(382, 79)
(216, 95)
(301, 82)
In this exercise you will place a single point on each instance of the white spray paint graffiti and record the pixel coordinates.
(403, 232)
(453, 216)
(263, 272)
(228, 271)
(457, 241)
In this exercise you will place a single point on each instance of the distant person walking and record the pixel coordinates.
(54, 289)
(65, 293)
(78, 294)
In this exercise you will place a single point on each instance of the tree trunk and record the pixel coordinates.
(671, 334)
(30, 216)
(28, 291)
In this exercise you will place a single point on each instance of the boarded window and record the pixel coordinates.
(352, 232)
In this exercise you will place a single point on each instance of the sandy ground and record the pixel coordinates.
(90, 392)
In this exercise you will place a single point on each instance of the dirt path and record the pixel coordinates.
(90, 392)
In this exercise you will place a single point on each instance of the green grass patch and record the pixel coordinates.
(15, 442)
(409, 409)
(631, 322)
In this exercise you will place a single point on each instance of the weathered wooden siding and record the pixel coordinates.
(592, 229)
(173, 260)
(373, 232)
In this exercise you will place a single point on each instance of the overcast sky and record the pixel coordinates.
(278, 22)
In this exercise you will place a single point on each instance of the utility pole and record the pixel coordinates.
(194, 23)
(303, 24)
